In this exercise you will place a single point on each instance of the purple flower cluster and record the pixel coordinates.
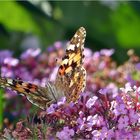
(65, 134)
(32, 66)
(104, 110)
(101, 118)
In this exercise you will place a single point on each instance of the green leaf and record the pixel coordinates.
(126, 23)
(16, 18)
(136, 75)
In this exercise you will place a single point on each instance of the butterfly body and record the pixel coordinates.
(70, 80)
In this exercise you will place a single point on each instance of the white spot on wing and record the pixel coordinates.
(78, 45)
(10, 81)
(75, 35)
(71, 47)
(65, 61)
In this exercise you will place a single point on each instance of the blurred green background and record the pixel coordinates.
(109, 24)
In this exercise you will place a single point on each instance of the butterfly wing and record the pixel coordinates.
(70, 79)
(71, 74)
(40, 96)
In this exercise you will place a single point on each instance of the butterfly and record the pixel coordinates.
(70, 80)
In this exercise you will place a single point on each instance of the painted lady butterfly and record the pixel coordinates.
(70, 80)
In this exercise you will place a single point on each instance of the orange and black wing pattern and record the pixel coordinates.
(71, 77)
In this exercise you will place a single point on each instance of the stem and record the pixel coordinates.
(1, 108)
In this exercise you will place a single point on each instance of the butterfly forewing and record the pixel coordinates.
(71, 74)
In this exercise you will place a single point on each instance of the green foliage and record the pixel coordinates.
(1, 108)
(14, 17)
(136, 75)
(126, 21)
(107, 26)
